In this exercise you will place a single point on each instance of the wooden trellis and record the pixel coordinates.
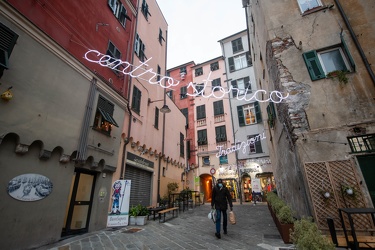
(332, 177)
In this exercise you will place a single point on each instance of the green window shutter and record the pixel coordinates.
(345, 47)
(234, 86)
(313, 65)
(258, 114)
(231, 64)
(247, 83)
(241, 118)
(248, 58)
(258, 147)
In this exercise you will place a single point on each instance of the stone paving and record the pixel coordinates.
(192, 229)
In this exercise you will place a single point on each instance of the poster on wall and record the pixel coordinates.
(255, 185)
(118, 216)
(29, 187)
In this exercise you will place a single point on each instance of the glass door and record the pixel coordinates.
(77, 216)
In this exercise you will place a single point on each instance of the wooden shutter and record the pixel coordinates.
(258, 114)
(258, 147)
(241, 118)
(313, 65)
(345, 48)
(248, 59)
(156, 118)
(231, 64)
(234, 85)
(218, 108)
(247, 83)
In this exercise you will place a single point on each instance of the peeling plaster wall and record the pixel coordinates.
(314, 122)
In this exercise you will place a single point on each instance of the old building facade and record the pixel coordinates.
(320, 55)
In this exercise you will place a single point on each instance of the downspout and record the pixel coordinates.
(127, 139)
(356, 42)
(164, 103)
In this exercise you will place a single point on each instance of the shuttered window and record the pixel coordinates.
(201, 112)
(136, 100)
(7, 41)
(218, 107)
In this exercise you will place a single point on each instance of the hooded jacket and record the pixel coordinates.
(221, 197)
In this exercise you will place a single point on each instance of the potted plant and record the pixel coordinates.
(340, 75)
(306, 235)
(348, 191)
(138, 215)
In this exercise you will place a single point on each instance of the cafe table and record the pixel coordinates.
(155, 210)
(350, 212)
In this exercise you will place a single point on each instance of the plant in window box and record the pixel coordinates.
(340, 75)
(348, 191)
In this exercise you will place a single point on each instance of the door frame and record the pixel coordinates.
(66, 229)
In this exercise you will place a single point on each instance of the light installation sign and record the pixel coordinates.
(119, 214)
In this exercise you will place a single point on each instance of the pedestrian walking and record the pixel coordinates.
(219, 201)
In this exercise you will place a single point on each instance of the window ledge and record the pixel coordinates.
(316, 9)
(101, 131)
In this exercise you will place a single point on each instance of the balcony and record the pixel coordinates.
(201, 122)
(219, 118)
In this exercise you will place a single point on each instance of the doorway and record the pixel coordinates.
(366, 163)
(77, 216)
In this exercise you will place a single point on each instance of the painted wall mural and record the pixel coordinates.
(29, 187)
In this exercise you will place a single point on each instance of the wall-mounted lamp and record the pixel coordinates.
(164, 109)
(7, 95)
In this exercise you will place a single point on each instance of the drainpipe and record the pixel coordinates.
(356, 42)
(164, 103)
(127, 139)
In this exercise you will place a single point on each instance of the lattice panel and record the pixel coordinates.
(331, 176)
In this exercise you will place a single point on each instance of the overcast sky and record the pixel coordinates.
(195, 26)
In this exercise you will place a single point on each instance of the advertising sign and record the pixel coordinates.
(255, 185)
(119, 214)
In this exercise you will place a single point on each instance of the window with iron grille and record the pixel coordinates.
(104, 120)
(362, 143)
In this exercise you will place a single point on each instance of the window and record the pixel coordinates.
(113, 52)
(214, 66)
(182, 147)
(223, 159)
(136, 100)
(241, 86)
(185, 112)
(183, 70)
(221, 134)
(7, 41)
(206, 160)
(249, 114)
(161, 38)
(321, 62)
(202, 137)
(216, 83)
(271, 114)
(306, 5)
(218, 107)
(237, 45)
(239, 62)
(362, 143)
(156, 122)
(201, 112)
(183, 91)
(159, 73)
(170, 94)
(144, 9)
(255, 144)
(104, 121)
(139, 48)
(200, 89)
(199, 71)
(119, 11)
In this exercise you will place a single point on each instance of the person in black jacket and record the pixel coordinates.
(220, 199)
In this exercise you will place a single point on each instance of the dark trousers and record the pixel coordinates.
(218, 220)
